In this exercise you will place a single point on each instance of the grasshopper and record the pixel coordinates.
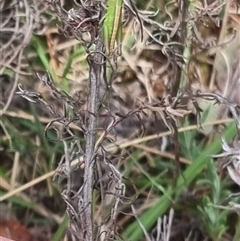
(112, 26)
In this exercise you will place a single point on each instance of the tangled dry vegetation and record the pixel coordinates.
(99, 147)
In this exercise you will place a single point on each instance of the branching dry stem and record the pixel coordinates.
(89, 159)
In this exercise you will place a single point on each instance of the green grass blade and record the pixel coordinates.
(43, 56)
(61, 229)
(149, 217)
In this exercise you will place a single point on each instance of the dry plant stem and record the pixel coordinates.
(15, 82)
(183, 7)
(89, 159)
(220, 41)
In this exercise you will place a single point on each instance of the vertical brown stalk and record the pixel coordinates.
(89, 159)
